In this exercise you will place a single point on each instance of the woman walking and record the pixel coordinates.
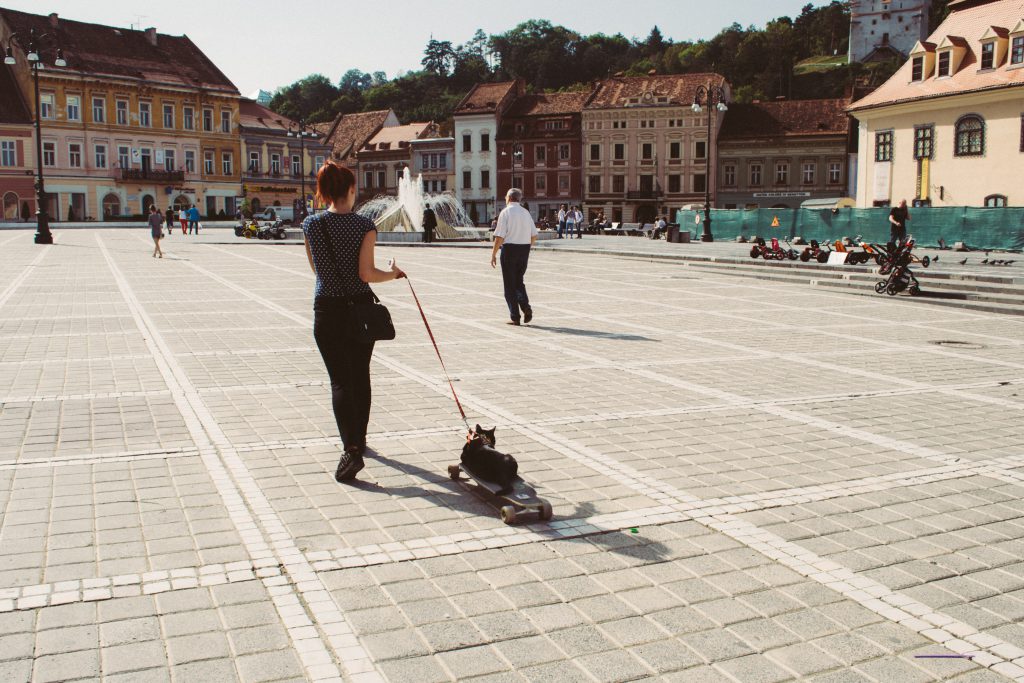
(339, 245)
(156, 229)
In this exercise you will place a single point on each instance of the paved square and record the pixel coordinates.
(752, 480)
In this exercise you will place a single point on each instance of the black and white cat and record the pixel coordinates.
(480, 457)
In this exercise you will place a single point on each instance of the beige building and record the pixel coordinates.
(382, 160)
(645, 151)
(948, 128)
(780, 154)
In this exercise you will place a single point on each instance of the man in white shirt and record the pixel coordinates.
(515, 234)
(561, 221)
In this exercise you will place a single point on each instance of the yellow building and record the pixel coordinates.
(135, 118)
(948, 128)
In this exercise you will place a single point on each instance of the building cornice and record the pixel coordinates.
(910, 104)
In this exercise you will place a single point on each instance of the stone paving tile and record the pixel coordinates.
(696, 385)
(91, 521)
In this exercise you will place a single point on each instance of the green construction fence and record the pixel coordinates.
(998, 228)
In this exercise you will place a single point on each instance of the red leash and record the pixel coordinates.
(438, 352)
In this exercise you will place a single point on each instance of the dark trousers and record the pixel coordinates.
(191, 225)
(897, 233)
(514, 258)
(348, 365)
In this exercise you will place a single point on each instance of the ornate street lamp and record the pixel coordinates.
(302, 132)
(31, 45)
(712, 96)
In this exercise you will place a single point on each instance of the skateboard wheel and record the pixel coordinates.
(453, 472)
(508, 514)
(545, 513)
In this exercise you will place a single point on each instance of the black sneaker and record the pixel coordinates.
(527, 316)
(349, 465)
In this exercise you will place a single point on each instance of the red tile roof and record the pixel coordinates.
(614, 93)
(105, 50)
(484, 98)
(13, 108)
(968, 19)
(349, 132)
(785, 117)
(253, 116)
(548, 104)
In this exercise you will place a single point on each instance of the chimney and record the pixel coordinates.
(151, 36)
(53, 20)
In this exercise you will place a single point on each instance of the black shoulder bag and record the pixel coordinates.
(369, 319)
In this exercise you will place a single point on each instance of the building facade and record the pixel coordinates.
(136, 118)
(540, 151)
(277, 165)
(645, 151)
(477, 118)
(433, 159)
(783, 153)
(382, 161)
(347, 133)
(947, 129)
(17, 153)
(882, 30)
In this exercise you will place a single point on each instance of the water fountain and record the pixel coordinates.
(404, 213)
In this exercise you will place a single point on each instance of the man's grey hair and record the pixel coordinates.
(514, 194)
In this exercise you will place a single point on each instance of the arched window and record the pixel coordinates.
(10, 207)
(255, 205)
(995, 201)
(970, 136)
(147, 201)
(111, 206)
(181, 202)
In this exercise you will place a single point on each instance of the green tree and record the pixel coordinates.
(309, 98)
(438, 56)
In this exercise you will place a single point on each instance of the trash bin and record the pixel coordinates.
(673, 233)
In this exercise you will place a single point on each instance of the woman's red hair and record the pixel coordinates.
(333, 182)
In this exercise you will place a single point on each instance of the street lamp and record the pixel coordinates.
(30, 44)
(712, 96)
(304, 131)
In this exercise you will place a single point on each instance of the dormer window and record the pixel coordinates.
(988, 55)
(945, 59)
(917, 69)
(1017, 50)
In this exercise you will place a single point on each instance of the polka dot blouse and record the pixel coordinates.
(337, 274)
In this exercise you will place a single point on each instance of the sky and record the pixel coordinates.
(268, 43)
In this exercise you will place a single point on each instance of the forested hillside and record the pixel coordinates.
(761, 63)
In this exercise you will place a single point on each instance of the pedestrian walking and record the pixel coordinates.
(561, 220)
(183, 218)
(515, 234)
(169, 218)
(898, 218)
(577, 220)
(193, 219)
(429, 224)
(156, 230)
(340, 246)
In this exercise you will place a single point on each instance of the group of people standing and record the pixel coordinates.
(570, 219)
(188, 217)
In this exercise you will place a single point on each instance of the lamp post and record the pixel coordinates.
(711, 96)
(517, 155)
(302, 132)
(30, 44)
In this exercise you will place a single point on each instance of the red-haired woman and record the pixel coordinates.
(339, 244)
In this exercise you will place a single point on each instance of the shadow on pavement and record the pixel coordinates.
(596, 334)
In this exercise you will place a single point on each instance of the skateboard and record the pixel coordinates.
(521, 498)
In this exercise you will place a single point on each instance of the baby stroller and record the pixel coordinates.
(894, 261)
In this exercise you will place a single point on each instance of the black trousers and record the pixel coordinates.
(514, 259)
(348, 365)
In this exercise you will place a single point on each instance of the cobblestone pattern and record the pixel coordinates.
(817, 489)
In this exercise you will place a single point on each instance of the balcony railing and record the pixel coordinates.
(643, 194)
(156, 175)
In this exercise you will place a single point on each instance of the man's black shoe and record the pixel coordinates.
(512, 322)
(349, 465)
(528, 315)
